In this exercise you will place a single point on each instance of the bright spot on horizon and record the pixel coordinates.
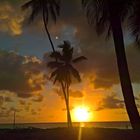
(81, 114)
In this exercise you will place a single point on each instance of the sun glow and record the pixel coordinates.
(81, 114)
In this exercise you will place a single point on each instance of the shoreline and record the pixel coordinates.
(69, 134)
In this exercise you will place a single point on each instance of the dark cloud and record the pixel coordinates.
(21, 75)
(110, 102)
(11, 1)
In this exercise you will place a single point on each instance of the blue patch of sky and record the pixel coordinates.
(35, 44)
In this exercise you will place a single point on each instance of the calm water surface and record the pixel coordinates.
(119, 125)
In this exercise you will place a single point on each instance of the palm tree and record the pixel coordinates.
(109, 14)
(46, 8)
(64, 71)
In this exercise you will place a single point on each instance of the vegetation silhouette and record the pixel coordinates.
(109, 14)
(64, 72)
(47, 8)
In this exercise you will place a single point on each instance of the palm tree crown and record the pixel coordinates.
(109, 14)
(64, 70)
(43, 7)
(100, 12)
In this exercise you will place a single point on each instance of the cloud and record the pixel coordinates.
(1, 100)
(76, 93)
(4, 114)
(72, 93)
(7, 112)
(22, 102)
(38, 98)
(8, 99)
(11, 19)
(34, 112)
(27, 107)
(21, 75)
(110, 102)
(137, 98)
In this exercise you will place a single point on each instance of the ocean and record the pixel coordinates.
(118, 125)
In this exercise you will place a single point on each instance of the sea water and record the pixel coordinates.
(118, 125)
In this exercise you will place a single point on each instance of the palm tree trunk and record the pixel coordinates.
(67, 106)
(47, 31)
(125, 80)
(69, 115)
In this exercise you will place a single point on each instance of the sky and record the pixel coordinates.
(24, 83)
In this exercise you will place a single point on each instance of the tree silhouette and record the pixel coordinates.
(64, 71)
(109, 14)
(46, 8)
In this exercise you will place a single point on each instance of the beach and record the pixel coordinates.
(69, 134)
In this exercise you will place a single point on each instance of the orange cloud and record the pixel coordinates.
(11, 19)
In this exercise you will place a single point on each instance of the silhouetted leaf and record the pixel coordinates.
(54, 64)
(75, 73)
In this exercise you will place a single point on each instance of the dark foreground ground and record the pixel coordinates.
(66, 134)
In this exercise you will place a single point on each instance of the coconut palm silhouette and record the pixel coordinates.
(64, 72)
(109, 14)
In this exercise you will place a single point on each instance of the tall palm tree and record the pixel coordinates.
(64, 71)
(110, 14)
(46, 8)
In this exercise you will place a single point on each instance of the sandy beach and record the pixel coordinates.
(67, 134)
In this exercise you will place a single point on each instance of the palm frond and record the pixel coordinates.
(57, 6)
(43, 7)
(27, 5)
(99, 12)
(79, 59)
(52, 12)
(56, 54)
(134, 20)
(54, 74)
(54, 64)
(75, 73)
(36, 8)
(56, 79)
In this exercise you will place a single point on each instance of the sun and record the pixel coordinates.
(81, 114)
